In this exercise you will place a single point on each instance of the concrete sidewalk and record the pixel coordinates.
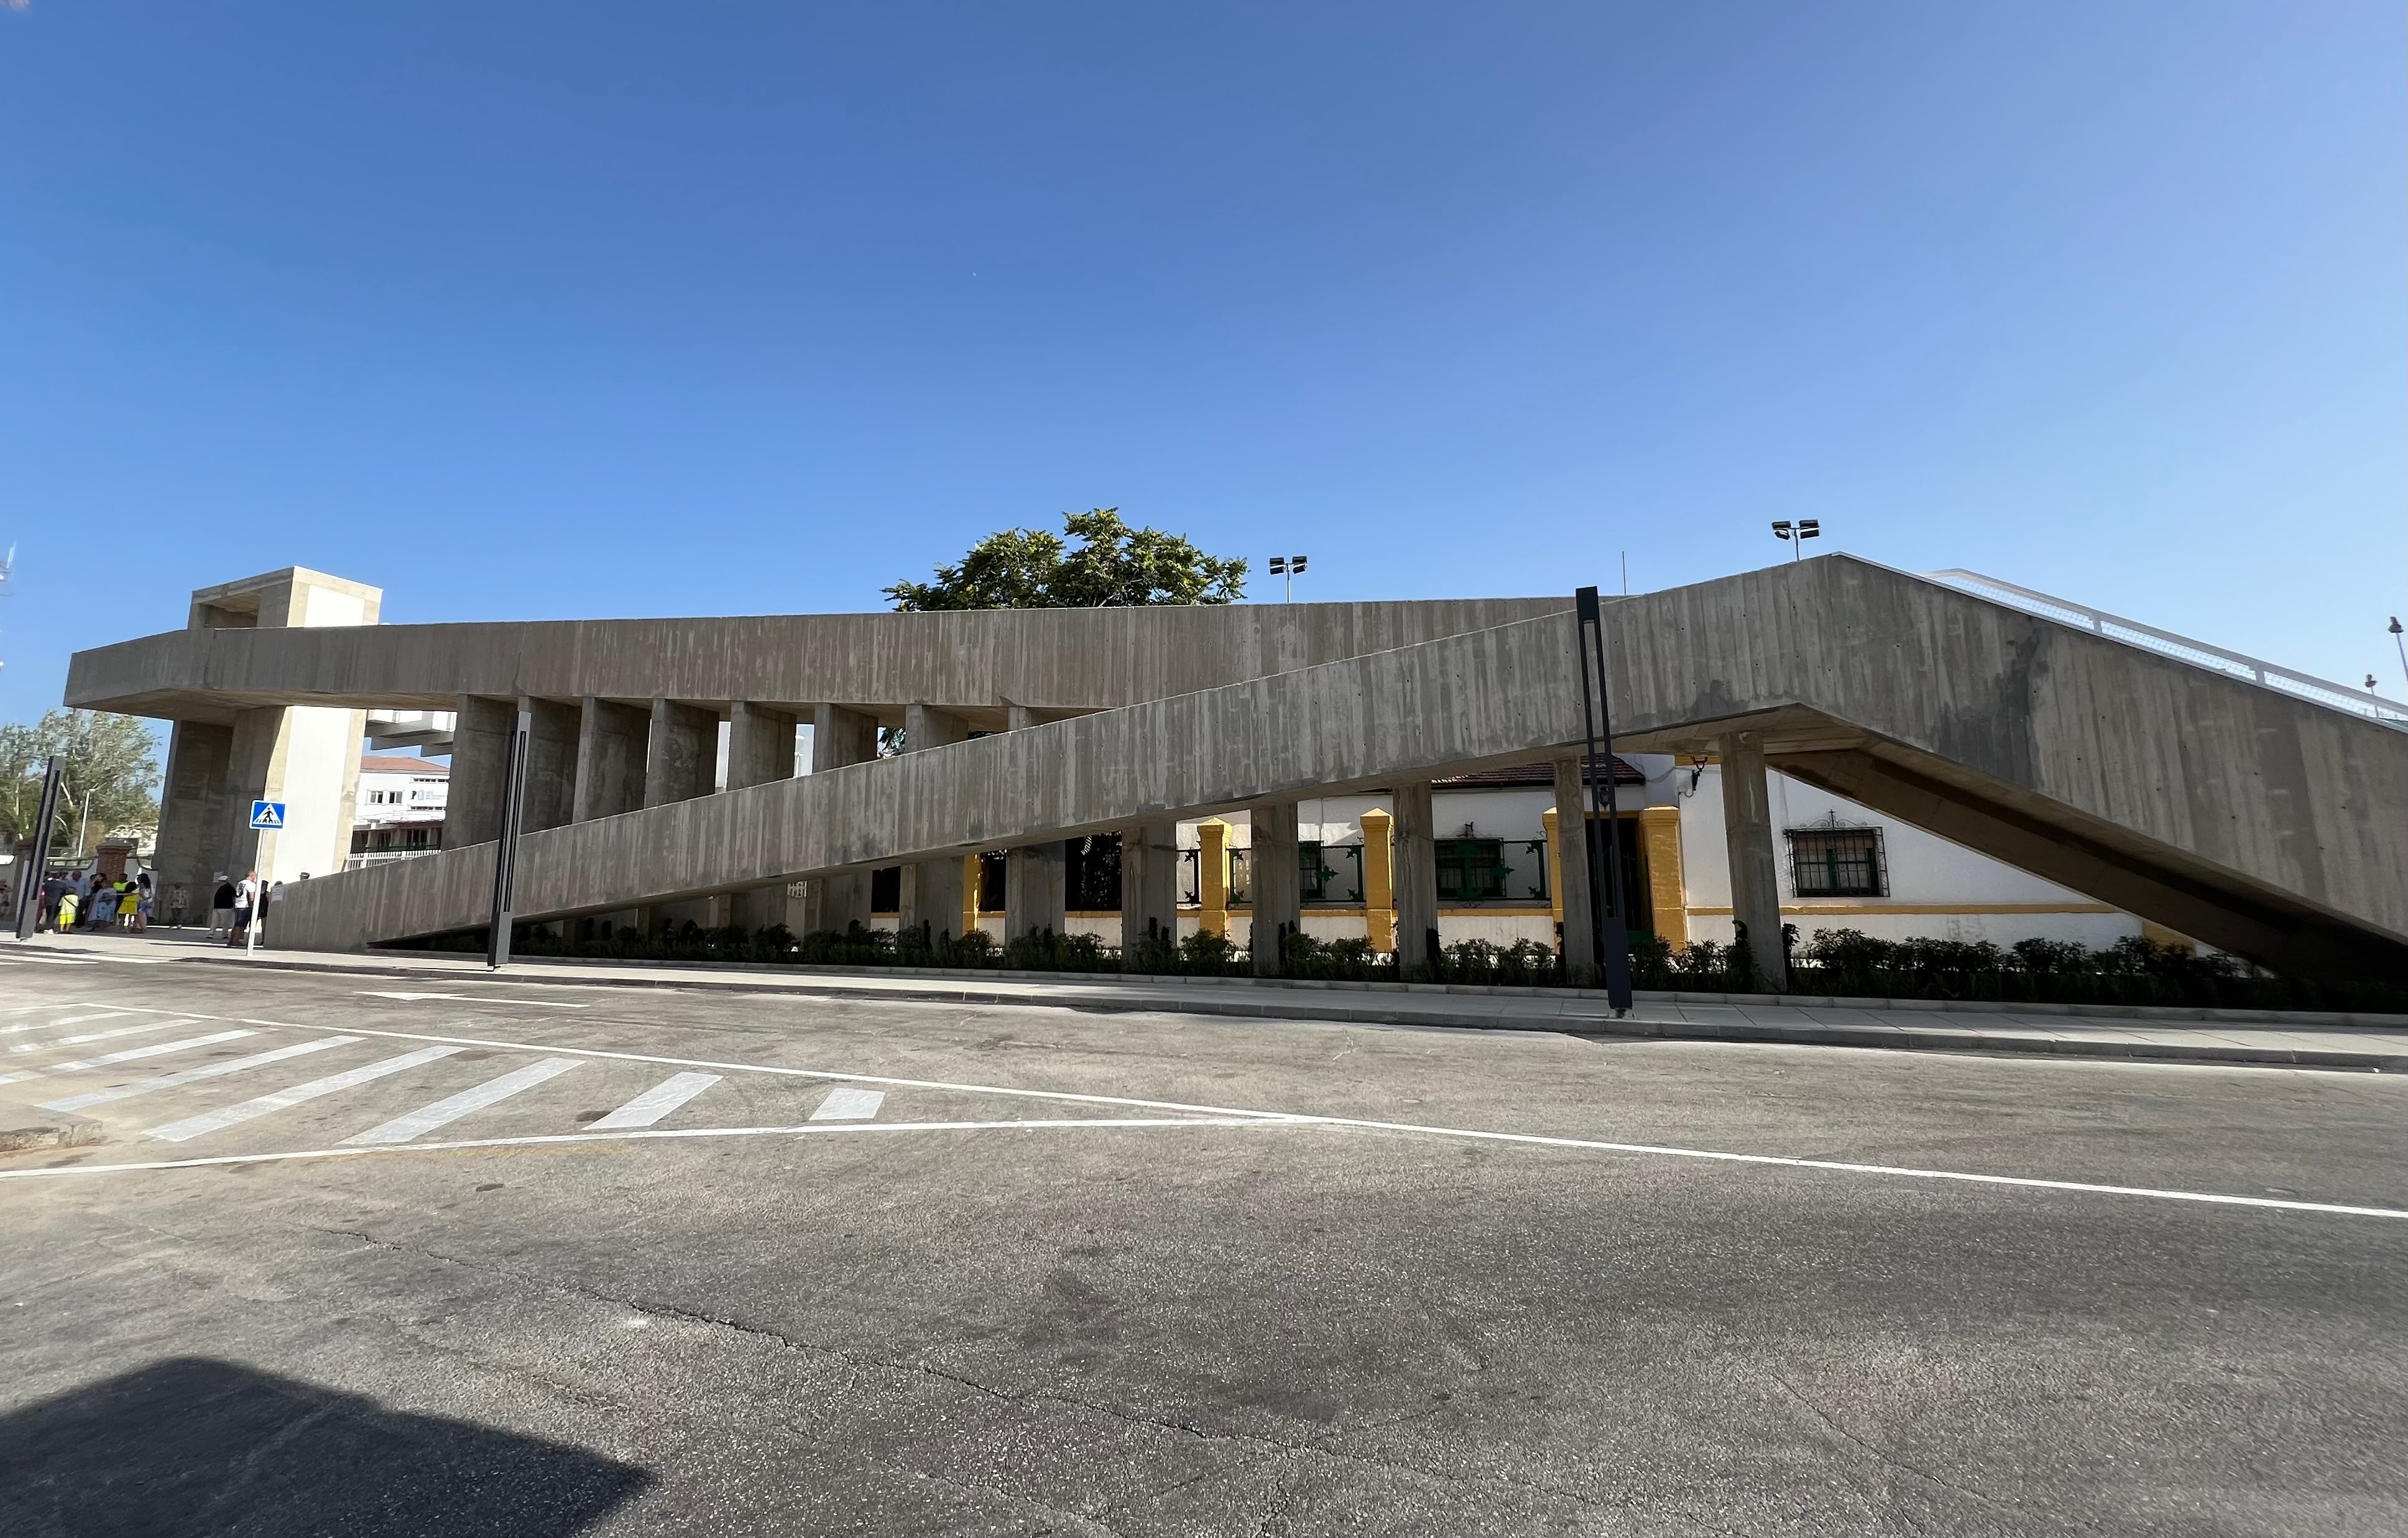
(2376, 1043)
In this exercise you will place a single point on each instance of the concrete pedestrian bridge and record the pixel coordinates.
(2263, 821)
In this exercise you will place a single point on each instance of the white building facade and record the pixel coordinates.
(400, 808)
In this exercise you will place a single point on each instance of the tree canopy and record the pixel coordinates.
(110, 773)
(1113, 566)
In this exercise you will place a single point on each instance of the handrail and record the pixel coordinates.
(2115, 627)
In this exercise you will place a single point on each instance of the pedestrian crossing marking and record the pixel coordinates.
(97, 1035)
(193, 1075)
(656, 1101)
(849, 1106)
(157, 1050)
(61, 1025)
(426, 1119)
(211, 1121)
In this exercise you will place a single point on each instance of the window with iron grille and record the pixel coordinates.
(1837, 862)
(1470, 870)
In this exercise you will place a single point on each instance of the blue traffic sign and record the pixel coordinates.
(269, 814)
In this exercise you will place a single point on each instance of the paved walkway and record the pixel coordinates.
(2228, 1037)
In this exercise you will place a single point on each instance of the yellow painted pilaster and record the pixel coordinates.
(969, 892)
(1378, 879)
(1667, 892)
(1555, 867)
(1213, 874)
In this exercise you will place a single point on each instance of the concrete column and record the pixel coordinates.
(610, 740)
(552, 764)
(1212, 876)
(250, 765)
(1278, 886)
(838, 737)
(932, 888)
(1378, 879)
(1149, 884)
(1416, 873)
(760, 744)
(1667, 889)
(194, 835)
(480, 760)
(1754, 873)
(1571, 867)
(682, 752)
(1035, 894)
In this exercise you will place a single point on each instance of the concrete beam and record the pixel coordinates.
(682, 752)
(1754, 866)
(1277, 883)
(610, 751)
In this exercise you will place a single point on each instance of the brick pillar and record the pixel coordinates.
(1379, 880)
(1667, 891)
(1213, 874)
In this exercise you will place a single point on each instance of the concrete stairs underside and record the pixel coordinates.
(2252, 818)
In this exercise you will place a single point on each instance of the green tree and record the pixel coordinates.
(111, 774)
(1113, 567)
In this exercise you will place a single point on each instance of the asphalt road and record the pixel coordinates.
(634, 1262)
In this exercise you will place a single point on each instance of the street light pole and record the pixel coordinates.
(505, 852)
(29, 880)
(1797, 534)
(1291, 567)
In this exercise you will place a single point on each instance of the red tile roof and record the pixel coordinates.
(400, 764)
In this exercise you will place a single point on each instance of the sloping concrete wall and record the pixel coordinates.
(1499, 695)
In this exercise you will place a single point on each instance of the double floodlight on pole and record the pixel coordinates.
(1799, 533)
(1291, 567)
(2401, 644)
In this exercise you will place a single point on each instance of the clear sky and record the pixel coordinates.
(534, 310)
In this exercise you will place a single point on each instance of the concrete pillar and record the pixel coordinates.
(1379, 880)
(552, 764)
(682, 752)
(1277, 886)
(610, 740)
(932, 888)
(760, 744)
(1667, 889)
(1035, 893)
(1212, 876)
(1149, 884)
(195, 838)
(480, 760)
(1416, 873)
(1754, 873)
(1571, 866)
(838, 737)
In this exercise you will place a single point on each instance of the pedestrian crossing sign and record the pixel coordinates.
(267, 815)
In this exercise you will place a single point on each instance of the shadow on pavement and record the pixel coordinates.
(193, 1446)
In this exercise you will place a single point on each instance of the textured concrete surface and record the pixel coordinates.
(1411, 1320)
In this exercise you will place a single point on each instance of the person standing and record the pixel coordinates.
(53, 891)
(246, 894)
(221, 907)
(143, 894)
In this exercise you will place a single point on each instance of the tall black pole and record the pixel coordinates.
(30, 880)
(506, 853)
(1607, 914)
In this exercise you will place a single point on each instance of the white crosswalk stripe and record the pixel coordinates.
(72, 1019)
(194, 1076)
(418, 1124)
(849, 1106)
(99, 1036)
(655, 1102)
(158, 1049)
(211, 1121)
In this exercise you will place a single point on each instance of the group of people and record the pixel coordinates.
(235, 906)
(86, 899)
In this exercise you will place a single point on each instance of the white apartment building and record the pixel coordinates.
(400, 808)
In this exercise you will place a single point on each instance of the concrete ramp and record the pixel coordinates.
(2255, 819)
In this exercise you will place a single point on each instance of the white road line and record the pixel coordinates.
(471, 998)
(158, 1049)
(75, 1019)
(542, 1140)
(100, 1035)
(211, 1121)
(1301, 1118)
(655, 1102)
(194, 1076)
(451, 1108)
(849, 1106)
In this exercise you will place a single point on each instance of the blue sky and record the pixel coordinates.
(538, 310)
